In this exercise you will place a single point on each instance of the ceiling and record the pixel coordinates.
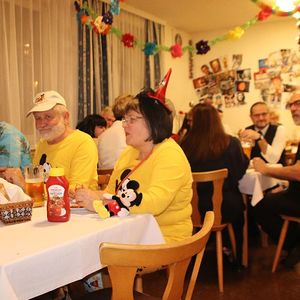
(193, 16)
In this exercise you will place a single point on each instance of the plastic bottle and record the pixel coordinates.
(58, 204)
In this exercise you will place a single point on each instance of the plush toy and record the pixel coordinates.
(126, 197)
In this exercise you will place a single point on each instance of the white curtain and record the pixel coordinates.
(126, 65)
(127, 69)
(38, 52)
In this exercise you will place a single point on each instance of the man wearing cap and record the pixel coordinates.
(268, 140)
(269, 210)
(60, 145)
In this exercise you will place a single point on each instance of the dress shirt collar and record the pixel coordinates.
(263, 131)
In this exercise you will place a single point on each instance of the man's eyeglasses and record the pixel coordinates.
(260, 115)
(130, 120)
(295, 103)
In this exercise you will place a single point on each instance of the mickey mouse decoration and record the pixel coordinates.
(126, 197)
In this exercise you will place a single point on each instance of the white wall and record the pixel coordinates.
(258, 42)
(180, 89)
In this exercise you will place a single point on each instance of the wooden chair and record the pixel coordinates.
(284, 228)
(217, 178)
(103, 178)
(123, 261)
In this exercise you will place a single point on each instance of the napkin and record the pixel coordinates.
(14, 192)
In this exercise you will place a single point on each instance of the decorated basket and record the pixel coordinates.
(16, 212)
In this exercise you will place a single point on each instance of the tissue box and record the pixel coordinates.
(16, 212)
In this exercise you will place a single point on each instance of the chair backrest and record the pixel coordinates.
(103, 177)
(123, 261)
(217, 177)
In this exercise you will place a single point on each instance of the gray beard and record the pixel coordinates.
(55, 132)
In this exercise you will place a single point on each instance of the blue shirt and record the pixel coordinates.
(14, 147)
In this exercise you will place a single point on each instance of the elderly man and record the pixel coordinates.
(268, 210)
(60, 146)
(268, 140)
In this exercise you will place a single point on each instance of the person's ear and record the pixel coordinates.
(66, 116)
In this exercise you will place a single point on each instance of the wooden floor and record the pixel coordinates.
(257, 282)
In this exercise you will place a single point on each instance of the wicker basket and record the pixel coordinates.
(16, 212)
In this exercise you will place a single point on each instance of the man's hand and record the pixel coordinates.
(13, 175)
(259, 165)
(249, 134)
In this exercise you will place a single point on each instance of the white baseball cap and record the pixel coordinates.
(45, 101)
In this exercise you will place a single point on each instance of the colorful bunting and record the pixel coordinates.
(103, 25)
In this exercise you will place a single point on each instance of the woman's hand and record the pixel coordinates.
(13, 175)
(85, 197)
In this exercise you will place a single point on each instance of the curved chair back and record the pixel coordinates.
(217, 178)
(124, 260)
(103, 177)
(284, 229)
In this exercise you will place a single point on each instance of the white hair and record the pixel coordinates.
(60, 108)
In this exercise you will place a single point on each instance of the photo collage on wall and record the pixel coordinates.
(278, 76)
(222, 85)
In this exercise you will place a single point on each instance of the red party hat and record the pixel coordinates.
(160, 92)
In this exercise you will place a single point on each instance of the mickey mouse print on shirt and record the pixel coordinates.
(125, 197)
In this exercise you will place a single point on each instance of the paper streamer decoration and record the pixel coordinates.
(104, 25)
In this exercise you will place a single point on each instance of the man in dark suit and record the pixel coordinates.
(268, 140)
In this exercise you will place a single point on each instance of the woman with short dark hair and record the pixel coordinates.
(155, 164)
(93, 125)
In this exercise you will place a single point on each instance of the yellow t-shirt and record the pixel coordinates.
(77, 154)
(165, 181)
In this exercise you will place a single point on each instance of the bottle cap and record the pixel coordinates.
(57, 172)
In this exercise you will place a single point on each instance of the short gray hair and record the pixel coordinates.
(60, 108)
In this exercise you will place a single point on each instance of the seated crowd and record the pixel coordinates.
(136, 142)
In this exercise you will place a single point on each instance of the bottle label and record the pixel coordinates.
(56, 200)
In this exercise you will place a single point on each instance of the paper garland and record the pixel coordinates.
(275, 9)
(103, 25)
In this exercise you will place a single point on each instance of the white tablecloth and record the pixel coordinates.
(39, 256)
(254, 183)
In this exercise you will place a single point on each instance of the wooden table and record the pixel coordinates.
(254, 183)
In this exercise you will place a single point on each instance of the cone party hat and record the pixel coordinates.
(160, 93)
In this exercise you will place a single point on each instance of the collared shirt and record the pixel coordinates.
(274, 150)
(15, 148)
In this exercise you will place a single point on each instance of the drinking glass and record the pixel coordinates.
(34, 184)
(247, 145)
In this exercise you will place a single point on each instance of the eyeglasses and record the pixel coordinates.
(130, 120)
(295, 103)
(259, 115)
